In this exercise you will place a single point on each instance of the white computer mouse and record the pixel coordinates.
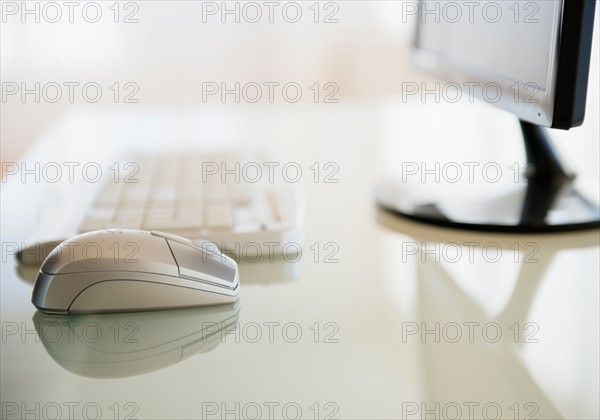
(119, 270)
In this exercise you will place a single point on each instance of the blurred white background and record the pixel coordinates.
(170, 52)
(168, 49)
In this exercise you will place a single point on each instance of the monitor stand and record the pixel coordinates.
(551, 200)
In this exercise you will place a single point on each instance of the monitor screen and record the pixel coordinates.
(508, 53)
(500, 40)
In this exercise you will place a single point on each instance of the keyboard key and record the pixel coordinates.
(246, 219)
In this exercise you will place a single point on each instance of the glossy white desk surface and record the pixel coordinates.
(361, 352)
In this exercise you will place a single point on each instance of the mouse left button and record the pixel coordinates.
(111, 253)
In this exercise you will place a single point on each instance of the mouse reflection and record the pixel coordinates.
(122, 345)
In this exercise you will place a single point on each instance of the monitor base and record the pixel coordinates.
(585, 214)
(551, 200)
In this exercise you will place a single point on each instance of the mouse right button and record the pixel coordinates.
(205, 266)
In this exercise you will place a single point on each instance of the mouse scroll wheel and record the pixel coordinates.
(202, 265)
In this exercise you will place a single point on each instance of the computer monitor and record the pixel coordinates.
(531, 59)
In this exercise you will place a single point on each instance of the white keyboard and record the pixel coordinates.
(168, 193)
